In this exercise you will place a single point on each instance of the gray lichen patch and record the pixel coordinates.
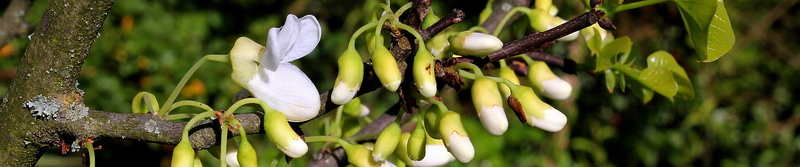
(75, 146)
(75, 112)
(152, 127)
(43, 107)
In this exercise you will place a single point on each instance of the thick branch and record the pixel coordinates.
(48, 70)
(499, 10)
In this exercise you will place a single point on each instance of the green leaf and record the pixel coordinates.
(709, 27)
(607, 56)
(666, 60)
(610, 5)
(641, 91)
(611, 80)
(595, 42)
(660, 80)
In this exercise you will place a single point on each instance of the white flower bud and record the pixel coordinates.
(435, 155)
(351, 72)
(455, 137)
(552, 120)
(544, 80)
(475, 44)
(282, 135)
(488, 103)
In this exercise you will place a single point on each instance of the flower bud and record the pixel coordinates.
(231, 153)
(486, 99)
(430, 19)
(543, 4)
(436, 155)
(197, 162)
(509, 74)
(416, 143)
(244, 55)
(386, 142)
(246, 155)
(535, 112)
(423, 73)
(556, 21)
(359, 156)
(432, 118)
(351, 73)
(539, 19)
(548, 83)
(355, 109)
(282, 135)
(438, 45)
(402, 148)
(552, 11)
(386, 68)
(455, 137)
(183, 154)
(475, 44)
(369, 37)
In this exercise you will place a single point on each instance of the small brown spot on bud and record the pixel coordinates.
(515, 106)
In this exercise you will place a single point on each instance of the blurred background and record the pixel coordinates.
(744, 112)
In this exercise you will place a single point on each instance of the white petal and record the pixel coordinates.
(552, 121)
(435, 155)
(231, 152)
(461, 147)
(494, 120)
(297, 148)
(556, 88)
(297, 38)
(341, 94)
(287, 90)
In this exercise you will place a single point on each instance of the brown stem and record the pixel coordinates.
(455, 17)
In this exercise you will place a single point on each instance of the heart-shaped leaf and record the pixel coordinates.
(709, 27)
(666, 60)
(607, 56)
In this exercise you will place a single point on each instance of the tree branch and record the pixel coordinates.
(46, 79)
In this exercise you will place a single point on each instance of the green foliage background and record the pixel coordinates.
(744, 113)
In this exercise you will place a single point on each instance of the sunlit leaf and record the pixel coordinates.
(595, 41)
(607, 56)
(660, 80)
(666, 60)
(709, 27)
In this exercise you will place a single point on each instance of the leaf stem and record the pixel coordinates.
(90, 149)
(506, 18)
(179, 87)
(634, 5)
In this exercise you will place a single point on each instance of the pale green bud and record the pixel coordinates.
(544, 80)
(438, 45)
(430, 19)
(475, 44)
(244, 60)
(355, 109)
(432, 118)
(282, 135)
(455, 137)
(197, 162)
(552, 11)
(424, 77)
(416, 143)
(543, 4)
(183, 154)
(402, 148)
(246, 155)
(509, 74)
(487, 11)
(351, 73)
(539, 19)
(535, 112)
(489, 105)
(386, 68)
(359, 156)
(369, 37)
(386, 142)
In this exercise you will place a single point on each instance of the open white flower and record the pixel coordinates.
(268, 74)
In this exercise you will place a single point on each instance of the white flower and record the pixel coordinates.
(435, 155)
(268, 74)
(552, 120)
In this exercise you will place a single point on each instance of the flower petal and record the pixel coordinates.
(295, 39)
(287, 90)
